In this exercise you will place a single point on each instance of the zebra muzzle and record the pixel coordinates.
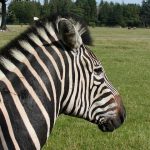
(109, 124)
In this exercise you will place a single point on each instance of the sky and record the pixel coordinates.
(125, 1)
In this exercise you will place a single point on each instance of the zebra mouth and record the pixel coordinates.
(106, 125)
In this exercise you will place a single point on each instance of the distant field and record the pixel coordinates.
(125, 55)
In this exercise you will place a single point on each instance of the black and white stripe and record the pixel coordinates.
(42, 77)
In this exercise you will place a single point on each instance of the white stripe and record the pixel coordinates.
(8, 122)
(101, 102)
(35, 39)
(31, 50)
(105, 100)
(43, 34)
(100, 110)
(100, 88)
(63, 77)
(87, 80)
(50, 29)
(72, 99)
(89, 62)
(75, 90)
(22, 58)
(27, 47)
(109, 114)
(82, 85)
(113, 90)
(70, 80)
(112, 113)
(10, 66)
(92, 93)
(53, 61)
(3, 140)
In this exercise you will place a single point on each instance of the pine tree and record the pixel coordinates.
(24, 11)
(104, 13)
(61, 6)
(145, 13)
(45, 11)
(87, 9)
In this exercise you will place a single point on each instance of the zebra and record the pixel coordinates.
(49, 70)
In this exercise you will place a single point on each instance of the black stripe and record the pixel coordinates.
(73, 81)
(33, 112)
(102, 106)
(1, 147)
(66, 82)
(52, 52)
(82, 101)
(102, 96)
(20, 131)
(89, 59)
(84, 69)
(78, 84)
(5, 131)
(50, 36)
(103, 112)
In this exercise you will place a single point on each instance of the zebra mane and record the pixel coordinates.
(48, 23)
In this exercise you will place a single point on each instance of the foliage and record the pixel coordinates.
(87, 9)
(23, 11)
(112, 14)
(145, 13)
(60, 6)
(105, 14)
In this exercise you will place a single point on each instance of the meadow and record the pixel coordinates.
(125, 55)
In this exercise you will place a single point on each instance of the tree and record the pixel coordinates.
(61, 6)
(24, 11)
(145, 13)
(87, 9)
(45, 11)
(3, 14)
(118, 15)
(112, 14)
(105, 13)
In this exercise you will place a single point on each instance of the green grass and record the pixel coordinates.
(125, 55)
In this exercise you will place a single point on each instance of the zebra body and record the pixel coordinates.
(46, 72)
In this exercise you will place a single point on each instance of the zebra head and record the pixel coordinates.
(93, 96)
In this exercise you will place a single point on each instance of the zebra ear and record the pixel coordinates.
(68, 33)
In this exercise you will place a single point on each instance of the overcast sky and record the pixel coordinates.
(125, 1)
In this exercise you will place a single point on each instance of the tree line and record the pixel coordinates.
(104, 14)
(131, 15)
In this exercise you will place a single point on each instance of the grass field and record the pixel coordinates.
(125, 55)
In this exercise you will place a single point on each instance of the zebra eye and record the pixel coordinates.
(98, 71)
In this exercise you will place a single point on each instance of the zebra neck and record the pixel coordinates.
(74, 102)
